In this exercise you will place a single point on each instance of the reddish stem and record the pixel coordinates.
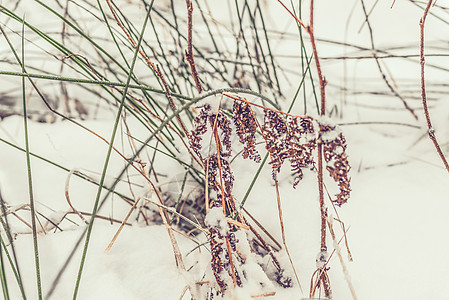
(431, 131)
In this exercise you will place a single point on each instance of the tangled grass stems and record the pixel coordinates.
(321, 271)
(106, 164)
(2, 270)
(21, 62)
(381, 71)
(159, 121)
(5, 223)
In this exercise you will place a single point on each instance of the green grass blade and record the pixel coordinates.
(299, 88)
(11, 263)
(14, 265)
(2, 274)
(248, 191)
(29, 173)
(108, 155)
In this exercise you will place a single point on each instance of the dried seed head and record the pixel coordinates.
(200, 128)
(246, 126)
(274, 131)
(300, 146)
(334, 151)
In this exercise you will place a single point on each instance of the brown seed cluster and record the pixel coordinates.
(301, 144)
(221, 180)
(274, 131)
(200, 128)
(246, 126)
(216, 248)
(334, 151)
(217, 164)
(286, 138)
(292, 139)
(214, 179)
(220, 256)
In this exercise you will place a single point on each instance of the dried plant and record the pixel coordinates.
(246, 126)
(303, 141)
(334, 152)
(431, 131)
(286, 137)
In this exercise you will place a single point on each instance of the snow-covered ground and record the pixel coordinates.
(396, 217)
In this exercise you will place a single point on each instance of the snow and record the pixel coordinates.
(217, 220)
(396, 218)
(321, 259)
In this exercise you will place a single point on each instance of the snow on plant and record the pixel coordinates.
(286, 137)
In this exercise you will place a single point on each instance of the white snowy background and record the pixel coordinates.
(397, 213)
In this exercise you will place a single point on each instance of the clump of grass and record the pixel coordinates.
(159, 86)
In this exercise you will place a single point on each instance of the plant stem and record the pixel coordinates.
(108, 155)
(431, 131)
(30, 180)
(2, 273)
(322, 277)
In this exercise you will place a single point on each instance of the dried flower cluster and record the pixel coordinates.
(275, 134)
(220, 179)
(286, 138)
(292, 139)
(200, 128)
(221, 260)
(334, 151)
(296, 139)
(302, 142)
(227, 178)
(246, 126)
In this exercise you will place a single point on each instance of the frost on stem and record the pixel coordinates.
(321, 259)
(431, 132)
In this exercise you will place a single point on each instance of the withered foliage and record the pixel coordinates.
(220, 179)
(292, 139)
(301, 143)
(217, 164)
(334, 152)
(274, 131)
(224, 125)
(246, 126)
(214, 179)
(286, 138)
(200, 128)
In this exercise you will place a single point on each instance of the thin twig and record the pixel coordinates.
(189, 51)
(122, 225)
(322, 277)
(321, 78)
(382, 73)
(154, 67)
(340, 257)
(431, 130)
(323, 210)
(68, 197)
(293, 15)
